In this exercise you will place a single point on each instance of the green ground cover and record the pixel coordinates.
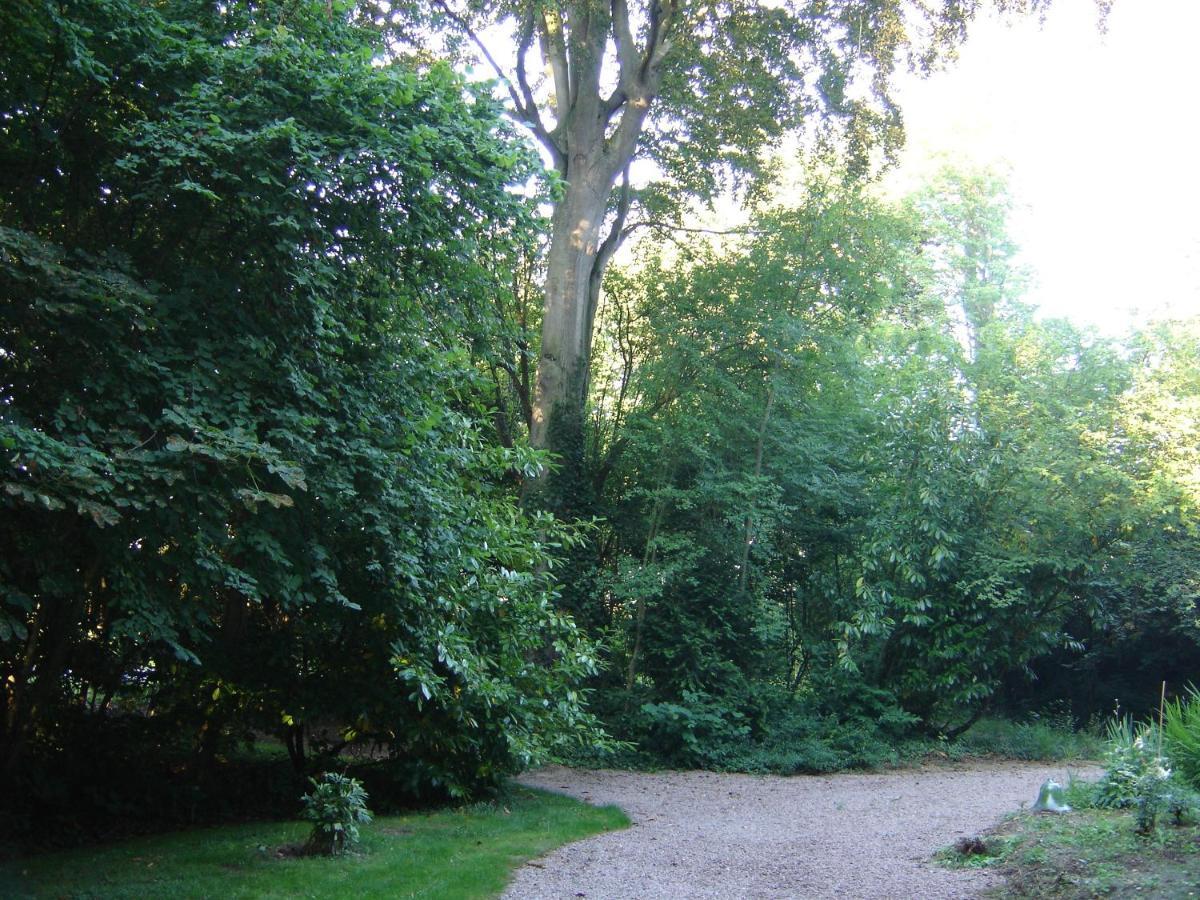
(814, 745)
(459, 853)
(1033, 739)
(1089, 852)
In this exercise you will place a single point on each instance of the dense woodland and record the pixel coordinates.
(281, 462)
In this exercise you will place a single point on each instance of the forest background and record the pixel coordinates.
(277, 462)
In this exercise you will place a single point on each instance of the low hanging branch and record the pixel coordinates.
(671, 226)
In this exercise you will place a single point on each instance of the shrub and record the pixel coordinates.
(1138, 776)
(1183, 803)
(789, 735)
(1046, 739)
(282, 478)
(336, 807)
(1158, 795)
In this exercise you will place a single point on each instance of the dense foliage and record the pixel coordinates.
(269, 360)
(244, 489)
(1181, 735)
(855, 490)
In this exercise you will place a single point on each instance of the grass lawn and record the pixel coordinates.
(1088, 853)
(467, 852)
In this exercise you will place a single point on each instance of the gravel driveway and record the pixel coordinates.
(701, 834)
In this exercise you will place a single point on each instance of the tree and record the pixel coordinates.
(999, 506)
(1145, 628)
(702, 89)
(971, 257)
(824, 490)
(243, 481)
(994, 512)
(719, 456)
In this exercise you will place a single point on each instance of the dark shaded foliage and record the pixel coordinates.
(242, 487)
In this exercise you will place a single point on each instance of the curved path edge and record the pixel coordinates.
(709, 835)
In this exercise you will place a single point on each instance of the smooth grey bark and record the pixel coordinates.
(568, 317)
(591, 141)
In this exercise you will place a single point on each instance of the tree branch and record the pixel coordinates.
(618, 232)
(628, 57)
(524, 42)
(662, 14)
(466, 29)
(521, 388)
(641, 90)
(629, 61)
(616, 100)
(670, 226)
(523, 100)
(554, 51)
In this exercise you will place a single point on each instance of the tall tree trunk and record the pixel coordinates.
(591, 133)
(569, 312)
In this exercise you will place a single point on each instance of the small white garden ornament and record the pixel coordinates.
(1050, 798)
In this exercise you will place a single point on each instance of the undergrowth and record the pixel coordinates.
(1037, 738)
(1090, 852)
(804, 740)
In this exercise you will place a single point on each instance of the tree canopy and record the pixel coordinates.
(848, 473)
(286, 332)
(705, 90)
(244, 481)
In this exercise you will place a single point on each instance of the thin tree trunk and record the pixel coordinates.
(639, 622)
(748, 535)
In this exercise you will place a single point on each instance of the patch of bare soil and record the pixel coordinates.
(703, 835)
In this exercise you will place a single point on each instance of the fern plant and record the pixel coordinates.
(1181, 735)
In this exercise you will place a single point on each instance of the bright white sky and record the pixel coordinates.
(1101, 134)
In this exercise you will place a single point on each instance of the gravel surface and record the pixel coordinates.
(701, 834)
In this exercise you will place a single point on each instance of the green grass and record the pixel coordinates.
(459, 853)
(1087, 853)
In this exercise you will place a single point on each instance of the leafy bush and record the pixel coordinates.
(695, 732)
(1151, 793)
(813, 745)
(1132, 765)
(791, 735)
(1183, 803)
(1157, 796)
(1138, 776)
(1181, 736)
(336, 807)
